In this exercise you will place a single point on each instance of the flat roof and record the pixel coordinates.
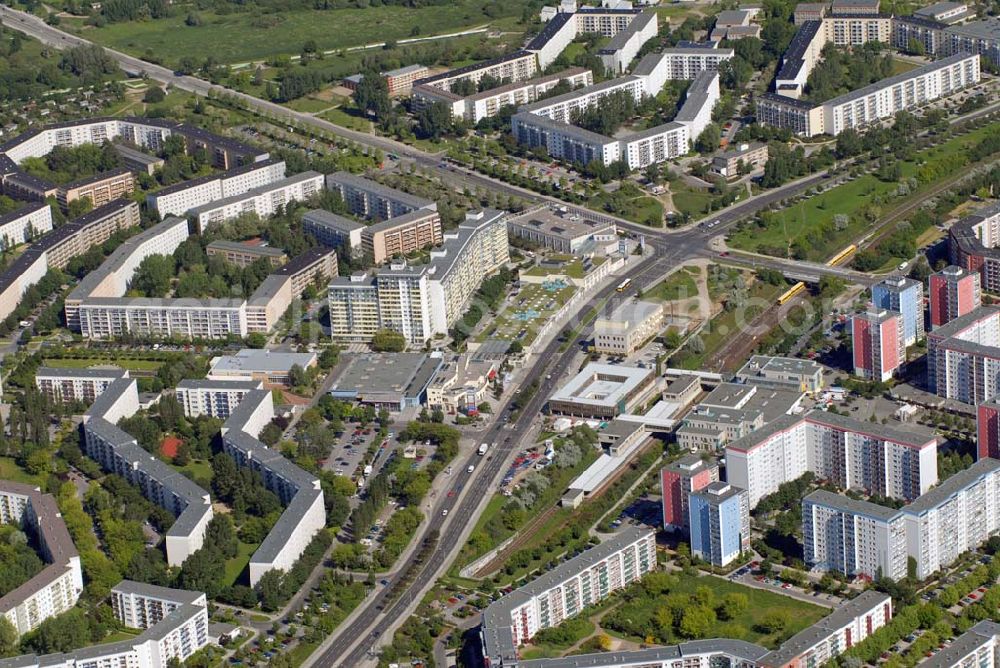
(254, 360)
(854, 506)
(900, 78)
(967, 643)
(349, 180)
(628, 315)
(546, 221)
(384, 374)
(760, 364)
(956, 483)
(90, 372)
(957, 326)
(264, 251)
(324, 218)
(697, 96)
(208, 384)
(602, 384)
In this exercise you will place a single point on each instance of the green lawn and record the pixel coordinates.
(688, 200)
(644, 210)
(236, 565)
(641, 611)
(199, 468)
(788, 225)
(899, 66)
(679, 285)
(243, 36)
(310, 105)
(9, 470)
(349, 121)
(301, 652)
(118, 636)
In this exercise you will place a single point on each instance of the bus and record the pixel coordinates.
(791, 292)
(623, 286)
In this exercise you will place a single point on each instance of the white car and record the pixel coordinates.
(472, 467)
(444, 513)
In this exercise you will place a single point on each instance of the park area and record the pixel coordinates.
(820, 226)
(528, 311)
(670, 608)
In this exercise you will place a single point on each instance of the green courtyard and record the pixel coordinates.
(531, 309)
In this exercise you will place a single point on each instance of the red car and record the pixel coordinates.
(451, 493)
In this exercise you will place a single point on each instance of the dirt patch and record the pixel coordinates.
(169, 446)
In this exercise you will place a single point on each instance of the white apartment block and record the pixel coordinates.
(63, 385)
(516, 66)
(851, 454)
(958, 515)
(262, 201)
(304, 515)
(873, 103)
(628, 29)
(562, 107)
(57, 587)
(174, 623)
(215, 398)
(104, 318)
(178, 199)
(371, 199)
(853, 537)
(687, 63)
(488, 103)
(420, 302)
(617, 54)
(963, 357)
(117, 452)
(848, 625)
(566, 590)
(977, 647)
(25, 224)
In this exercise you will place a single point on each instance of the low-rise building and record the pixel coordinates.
(63, 385)
(628, 327)
(604, 391)
(561, 231)
(747, 158)
(461, 384)
(947, 12)
(265, 366)
(790, 373)
(243, 254)
(56, 588)
(391, 381)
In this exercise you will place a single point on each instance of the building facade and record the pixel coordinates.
(84, 385)
(678, 481)
(953, 292)
(906, 297)
(877, 344)
(719, 518)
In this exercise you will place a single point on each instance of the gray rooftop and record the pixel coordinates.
(982, 633)
(697, 96)
(251, 360)
(957, 326)
(385, 375)
(90, 373)
(739, 650)
(610, 84)
(374, 187)
(263, 251)
(854, 506)
(953, 485)
(206, 384)
(322, 218)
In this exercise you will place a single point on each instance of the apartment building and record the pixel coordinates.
(934, 530)
(953, 292)
(719, 523)
(84, 385)
(906, 297)
(25, 224)
(733, 410)
(687, 63)
(332, 230)
(628, 327)
(678, 480)
(273, 297)
(117, 452)
(174, 623)
(57, 587)
(99, 189)
(54, 249)
(869, 457)
(865, 106)
(979, 646)
(750, 157)
(619, 53)
(420, 302)
(851, 623)
(213, 397)
(853, 537)
(401, 235)
(877, 344)
(564, 591)
(518, 66)
(910, 33)
(179, 199)
(243, 254)
(988, 429)
(304, 515)
(371, 199)
(963, 357)
(488, 103)
(138, 161)
(262, 201)
(972, 243)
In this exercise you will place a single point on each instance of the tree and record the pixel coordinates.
(733, 605)
(388, 341)
(153, 95)
(372, 95)
(708, 140)
(697, 621)
(269, 590)
(270, 434)
(434, 120)
(152, 277)
(773, 622)
(297, 376)
(8, 638)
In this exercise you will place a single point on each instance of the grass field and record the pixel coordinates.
(199, 468)
(244, 36)
(645, 210)
(641, 611)
(679, 285)
(849, 199)
(238, 564)
(9, 470)
(899, 66)
(688, 200)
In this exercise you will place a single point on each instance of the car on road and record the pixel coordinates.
(451, 493)
(472, 467)
(444, 513)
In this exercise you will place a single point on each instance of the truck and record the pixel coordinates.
(483, 448)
